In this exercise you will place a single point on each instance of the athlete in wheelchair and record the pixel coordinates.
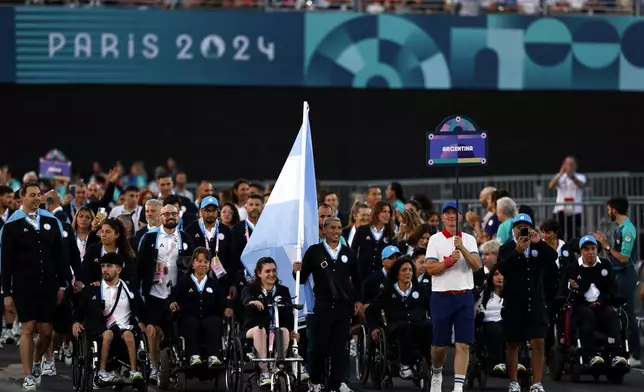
(109, 333)
(268, 322)
(591, 329)
(405, 304)
(487, 356)
(193, 347)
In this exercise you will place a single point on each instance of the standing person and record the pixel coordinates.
(360, 216)
(34, 276)
(523, 262)
(337, 297)
(451, 258)
(622, 257)
(570, 192)
(240, 197)
(6, 202)
(369, 241)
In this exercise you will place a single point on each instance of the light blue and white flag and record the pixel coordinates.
(289, 223)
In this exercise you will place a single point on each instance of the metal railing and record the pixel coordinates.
(468, 8)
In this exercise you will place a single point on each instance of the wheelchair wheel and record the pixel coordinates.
(78, 360)
(576, 369)
(379, 360)
(362, 356)
(281, 383)
(556, 362)
(87, 384)
(182, 382)
(163, 375)
(425, 375)
(235, 366)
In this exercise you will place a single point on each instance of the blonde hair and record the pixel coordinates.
(412, 221)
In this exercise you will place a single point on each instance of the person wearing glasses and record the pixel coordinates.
(159, 264)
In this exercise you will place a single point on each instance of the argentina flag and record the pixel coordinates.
(289, 223)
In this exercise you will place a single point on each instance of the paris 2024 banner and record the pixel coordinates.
(232, 47)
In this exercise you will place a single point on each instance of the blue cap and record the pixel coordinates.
(209, 201)
(586, 239)
(450, 204)
(390, 251)
(519, 218)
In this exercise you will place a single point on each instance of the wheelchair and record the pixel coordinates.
(480, 369)
(175, 370)
(363, 345)
(384, 362)
(86, 357)
(282, 374)
(566, 355)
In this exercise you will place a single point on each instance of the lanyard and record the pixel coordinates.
(200, 286)
(216, 235)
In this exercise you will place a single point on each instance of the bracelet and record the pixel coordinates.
(449, 262)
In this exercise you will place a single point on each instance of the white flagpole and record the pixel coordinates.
(300, 218)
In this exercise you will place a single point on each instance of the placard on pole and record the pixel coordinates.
(456, 142)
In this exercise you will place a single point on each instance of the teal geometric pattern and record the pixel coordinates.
(494, 52)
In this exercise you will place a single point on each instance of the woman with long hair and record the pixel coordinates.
(409, 222)
(229, 214)
(370, 240)
(130, 232)
(113, 240)
(202, 303)
(405, 303)
(360, 216)
(263, 289)
(82, 225)
(491, 303)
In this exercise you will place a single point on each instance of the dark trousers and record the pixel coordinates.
(569, 226)
(201, 332)
(413, 339)
(494, 342)
(626, 284)
(332, 324)
(604, 320)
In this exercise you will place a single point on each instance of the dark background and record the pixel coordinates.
(225, 133)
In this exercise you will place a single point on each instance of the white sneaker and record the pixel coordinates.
(7, 337)
(213, 361)
(304, 375)
(619, 362)
(596, 360)
(353, 348)
(49, 368)
(105, 377)
(537, 388)
(29, 384)
(68, 353)
(632, 362)
(195, 360)
(36, 372)
(514, 387)
(135, 376)
(154, 374)
(345, 388)
(437, 383)
(405, 372)
(315, 387)
(264, 379)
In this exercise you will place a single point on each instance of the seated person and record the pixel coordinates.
(258, 318)
(406, 306)
(594, 280)
(201, 301)
(490, 305)
(421, 269)
(110, 309)
(374, 282)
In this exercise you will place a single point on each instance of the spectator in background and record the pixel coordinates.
(229, 214)
(486, 228)
(92, 196)
(129, 207)
(425, 203)
(137, 177)
(226, 196)
(395, 196)
(30, 177)
(414, 206)
(409, 222)
(17, 200)
(181, 179)
(374, 195)
(171, 167)
(154, 186)
(434, 220)
(6, 178)
(331, 198)
(6, 203)
(570, 192)
(97, 171)
(240, 196)
(360, 216)
(506, 210)
(144, 196)
(256, 188)
(205, 189)
(550, 231)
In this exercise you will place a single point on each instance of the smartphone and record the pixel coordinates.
(101, 210)
(525, 232)
(72, 190)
